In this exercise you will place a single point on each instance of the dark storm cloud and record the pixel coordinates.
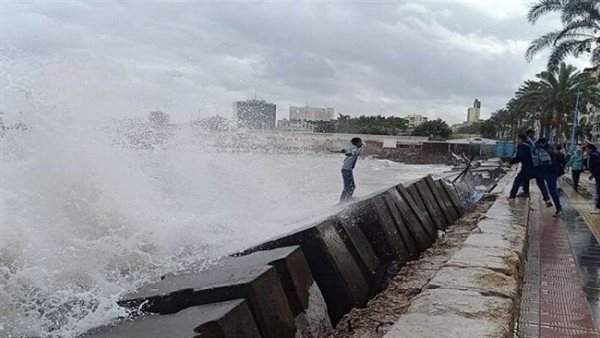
(359, 57)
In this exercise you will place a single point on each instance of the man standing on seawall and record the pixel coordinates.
(594, 165)
(352, 154)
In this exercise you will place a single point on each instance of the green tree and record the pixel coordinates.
(551, 97)
(488, 128)
(435, 129)
(472, 128)
(580, 33)
(375, 125)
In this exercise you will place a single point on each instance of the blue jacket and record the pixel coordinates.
(576, 161)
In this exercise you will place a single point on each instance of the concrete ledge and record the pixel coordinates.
(231, 319)
(497, 259)
(468, 304)
(418, 325)
(484, 281)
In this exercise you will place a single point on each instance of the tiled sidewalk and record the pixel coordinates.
(553, 302)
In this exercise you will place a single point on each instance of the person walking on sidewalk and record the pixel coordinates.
(576, 165)
(529, 170)
(352, 154)
(594, 166)
(522, 156)
(552, 163)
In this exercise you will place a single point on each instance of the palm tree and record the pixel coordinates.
(580, 32)
(551, 97)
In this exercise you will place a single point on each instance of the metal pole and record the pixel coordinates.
(575, 118)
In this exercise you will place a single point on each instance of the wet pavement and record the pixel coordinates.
(560, 296)
(584, 244)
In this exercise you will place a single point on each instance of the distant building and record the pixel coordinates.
(473, 113)
(295, 125)
(307, 113)
(415, 120)
(255, 114)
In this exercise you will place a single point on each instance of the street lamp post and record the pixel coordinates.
(575, 118)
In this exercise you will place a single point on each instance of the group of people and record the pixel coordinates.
(539, 160)
(545, 163)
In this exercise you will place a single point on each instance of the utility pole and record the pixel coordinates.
(575, 118)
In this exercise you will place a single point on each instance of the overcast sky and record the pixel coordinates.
(194, 59)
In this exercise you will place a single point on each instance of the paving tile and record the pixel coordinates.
(559, 278)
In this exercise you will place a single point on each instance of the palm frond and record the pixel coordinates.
(576, 10)
(596, 56)
(544, 7)
(564, 49)
(543, 42)
(581, 28)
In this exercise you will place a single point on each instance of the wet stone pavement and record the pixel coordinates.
(586, 250)
(561, 287)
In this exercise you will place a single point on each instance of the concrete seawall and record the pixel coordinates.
(302, 283)
(475, 294)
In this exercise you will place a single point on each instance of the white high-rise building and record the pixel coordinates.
(473, 113)
(414, 120)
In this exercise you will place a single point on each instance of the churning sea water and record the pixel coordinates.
(86, 219)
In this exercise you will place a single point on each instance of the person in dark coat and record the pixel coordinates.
(551, 171)
(528, 171)
(522, 156)
(594, 167)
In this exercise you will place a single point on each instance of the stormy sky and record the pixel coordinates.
(194, 59)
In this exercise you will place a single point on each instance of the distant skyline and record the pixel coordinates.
(112, 59)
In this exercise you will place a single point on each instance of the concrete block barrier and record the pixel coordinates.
(458, 203)
(231, 319)
(475, 292)
(299, 284)
(444, 198)
(335, 269)
(448, 212)
(377, 222)
(418, 209)
(426, 207)
(359, 247)
(260, 286)
(407, 219)
(303, 295)
(432, 205)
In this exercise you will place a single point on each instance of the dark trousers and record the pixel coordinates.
(575, 174)
(597, 181)
(349, 185)
(522, 180)
(551, 179)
